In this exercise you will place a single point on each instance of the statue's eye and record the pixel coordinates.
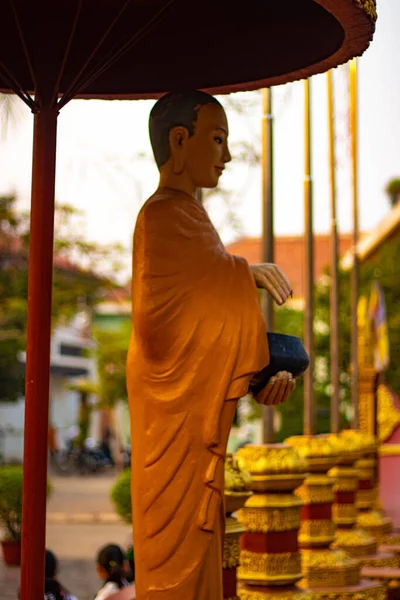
(218, 139)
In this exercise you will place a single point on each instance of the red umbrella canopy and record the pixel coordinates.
(142, 48)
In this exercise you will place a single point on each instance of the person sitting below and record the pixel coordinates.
(112, 568)
(53, 590)
(130, 556)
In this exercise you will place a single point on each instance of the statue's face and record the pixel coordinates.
(207, 150)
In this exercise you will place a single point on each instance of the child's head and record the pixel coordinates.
(53, 590)
(111, 564)
(50, 565)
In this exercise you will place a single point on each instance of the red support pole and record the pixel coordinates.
(38, 355)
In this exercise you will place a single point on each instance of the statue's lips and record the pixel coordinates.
(219, 169)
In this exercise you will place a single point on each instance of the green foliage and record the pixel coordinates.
(121, 496)
(84, 387)
(11, 370)
(11, 500)
(290, 321)
(111, 350)
(384, 267)
(11, 112)
(322, 343)
(393, 190)
(74, 288)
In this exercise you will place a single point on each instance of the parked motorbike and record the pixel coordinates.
(89, 459)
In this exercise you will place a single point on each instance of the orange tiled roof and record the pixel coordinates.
(290, 255)
(387, 229)
(13, 246)
(119, 295)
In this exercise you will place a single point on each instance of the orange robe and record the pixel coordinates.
(197, 337)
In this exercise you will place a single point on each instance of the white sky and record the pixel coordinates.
(105, 167)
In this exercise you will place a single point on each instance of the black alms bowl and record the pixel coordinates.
(287, 353)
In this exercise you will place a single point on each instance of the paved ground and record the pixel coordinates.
(81, 499)
(80, 521)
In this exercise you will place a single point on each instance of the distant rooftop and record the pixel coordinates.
(370, 243)
(290, 255)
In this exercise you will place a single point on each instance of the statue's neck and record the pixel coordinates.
(180, 183)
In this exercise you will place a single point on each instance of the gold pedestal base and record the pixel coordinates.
(328, 568)
(391, 539)
(356, 542)
(365, 590)
(389, 578)
(271, 512)
(281, 569)
(237, 491)
(392, 548)
(375, 523)
(254, 592)
(233, 531)
(386, 560)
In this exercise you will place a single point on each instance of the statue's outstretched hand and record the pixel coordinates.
(269, 277)
(279, 387)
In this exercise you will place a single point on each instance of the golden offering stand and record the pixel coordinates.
(371, 517)
(328, 571)
(237, 491)
(357, 542)
(270, 562)
(389, 578)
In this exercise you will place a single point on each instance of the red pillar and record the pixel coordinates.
(38, 355)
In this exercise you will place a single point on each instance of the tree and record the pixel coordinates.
(79, 283)
(291, 322)
(111, 352)
(393, 191)
(384, 267)
(322, 342)
(11, 108)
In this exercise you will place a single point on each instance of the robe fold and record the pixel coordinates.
(198, 336)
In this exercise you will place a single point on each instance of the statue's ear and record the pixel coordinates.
(178, 138)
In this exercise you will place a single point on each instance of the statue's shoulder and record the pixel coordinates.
(160, 203)
(169, 205)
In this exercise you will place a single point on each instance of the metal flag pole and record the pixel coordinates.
(334, 303)
(267, 168)
(309, 400)
(355, 268)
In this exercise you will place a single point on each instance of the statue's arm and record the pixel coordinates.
(270, 277)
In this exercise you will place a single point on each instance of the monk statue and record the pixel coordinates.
(198, 336)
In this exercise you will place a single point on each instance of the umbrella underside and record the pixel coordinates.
(142, 48)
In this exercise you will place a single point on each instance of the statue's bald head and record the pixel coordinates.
(173, 110)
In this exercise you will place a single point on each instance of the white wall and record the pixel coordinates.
(63, 413)
(64, 403)
(64, 407)
(12, 430)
